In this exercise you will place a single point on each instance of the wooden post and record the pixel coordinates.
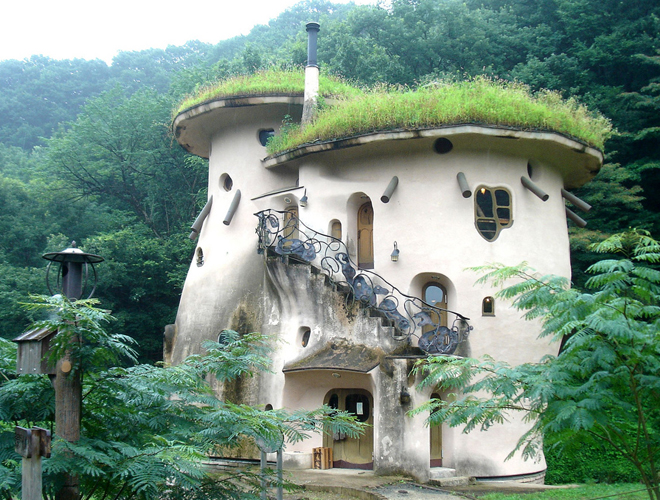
(32, 444)
(280, 486)
(68, 401)
(264, 484)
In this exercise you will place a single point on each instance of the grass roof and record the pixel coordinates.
(269, 82)
(481, 101)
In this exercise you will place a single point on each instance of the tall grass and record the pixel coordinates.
(478, 101)
(267, 82)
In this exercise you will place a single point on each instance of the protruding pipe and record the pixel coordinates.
(232, 208)
(312, 36)
(579, 221)
(534, 188)
(463, 184)
(390, 189)
(310, 103)
(197, 225)
(581, 204)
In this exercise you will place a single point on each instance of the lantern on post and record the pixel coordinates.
(73, 273)
(72, 280)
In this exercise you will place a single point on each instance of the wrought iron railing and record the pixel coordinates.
(282, 233)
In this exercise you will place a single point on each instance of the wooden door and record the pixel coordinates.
(352, 453)
(365, 227)
(436, 441)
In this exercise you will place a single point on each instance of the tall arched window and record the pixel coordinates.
(435, 295)
(335, 229)
(365, 225)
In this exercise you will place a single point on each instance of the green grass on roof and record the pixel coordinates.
(478, 101)
(268, 82)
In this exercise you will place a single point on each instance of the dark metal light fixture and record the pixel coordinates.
(71, 275)
(395, 253)
(303, 200)
(404, 397)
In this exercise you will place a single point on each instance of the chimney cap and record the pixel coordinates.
(313, 26)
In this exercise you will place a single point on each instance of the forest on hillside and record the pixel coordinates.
(86, 152)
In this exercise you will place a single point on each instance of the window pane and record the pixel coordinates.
(488, 229)
(484, 203)
(504, 215)
(358, 405)
(502, 198)
(433, 294)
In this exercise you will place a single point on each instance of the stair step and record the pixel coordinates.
(441, 472)
(453, 481)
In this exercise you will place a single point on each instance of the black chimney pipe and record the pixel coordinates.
(312, 34)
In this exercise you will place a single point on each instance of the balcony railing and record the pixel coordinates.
(282, 233)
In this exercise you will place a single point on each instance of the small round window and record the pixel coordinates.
(226, 182)
(265, 135)
(442, 146)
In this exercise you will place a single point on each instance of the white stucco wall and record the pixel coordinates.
(434, 226)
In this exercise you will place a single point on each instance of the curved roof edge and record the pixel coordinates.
(593, 163)
(193, 127)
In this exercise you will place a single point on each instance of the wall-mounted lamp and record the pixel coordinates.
(404, 397)
(303, 200)
(395, 253)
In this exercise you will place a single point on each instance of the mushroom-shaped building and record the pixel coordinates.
(349, 249)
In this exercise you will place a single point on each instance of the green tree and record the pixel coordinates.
(145, 429)
(604, 386)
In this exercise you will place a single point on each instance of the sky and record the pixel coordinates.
(99, 29)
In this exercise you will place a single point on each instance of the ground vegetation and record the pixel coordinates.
(145, 429)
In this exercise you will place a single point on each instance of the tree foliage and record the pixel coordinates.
(85, 153)
(145, 428)
(605, 383)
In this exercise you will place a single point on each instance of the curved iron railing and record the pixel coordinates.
(282, 233)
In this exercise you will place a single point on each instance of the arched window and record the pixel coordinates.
(365, 226)
(434, 294)
(335, 229)
(488, 306)
(492, 211)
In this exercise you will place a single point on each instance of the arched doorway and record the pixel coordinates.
(435, 433)
(348, 452)
(365, 227)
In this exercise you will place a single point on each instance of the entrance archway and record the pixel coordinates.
(348, 452)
